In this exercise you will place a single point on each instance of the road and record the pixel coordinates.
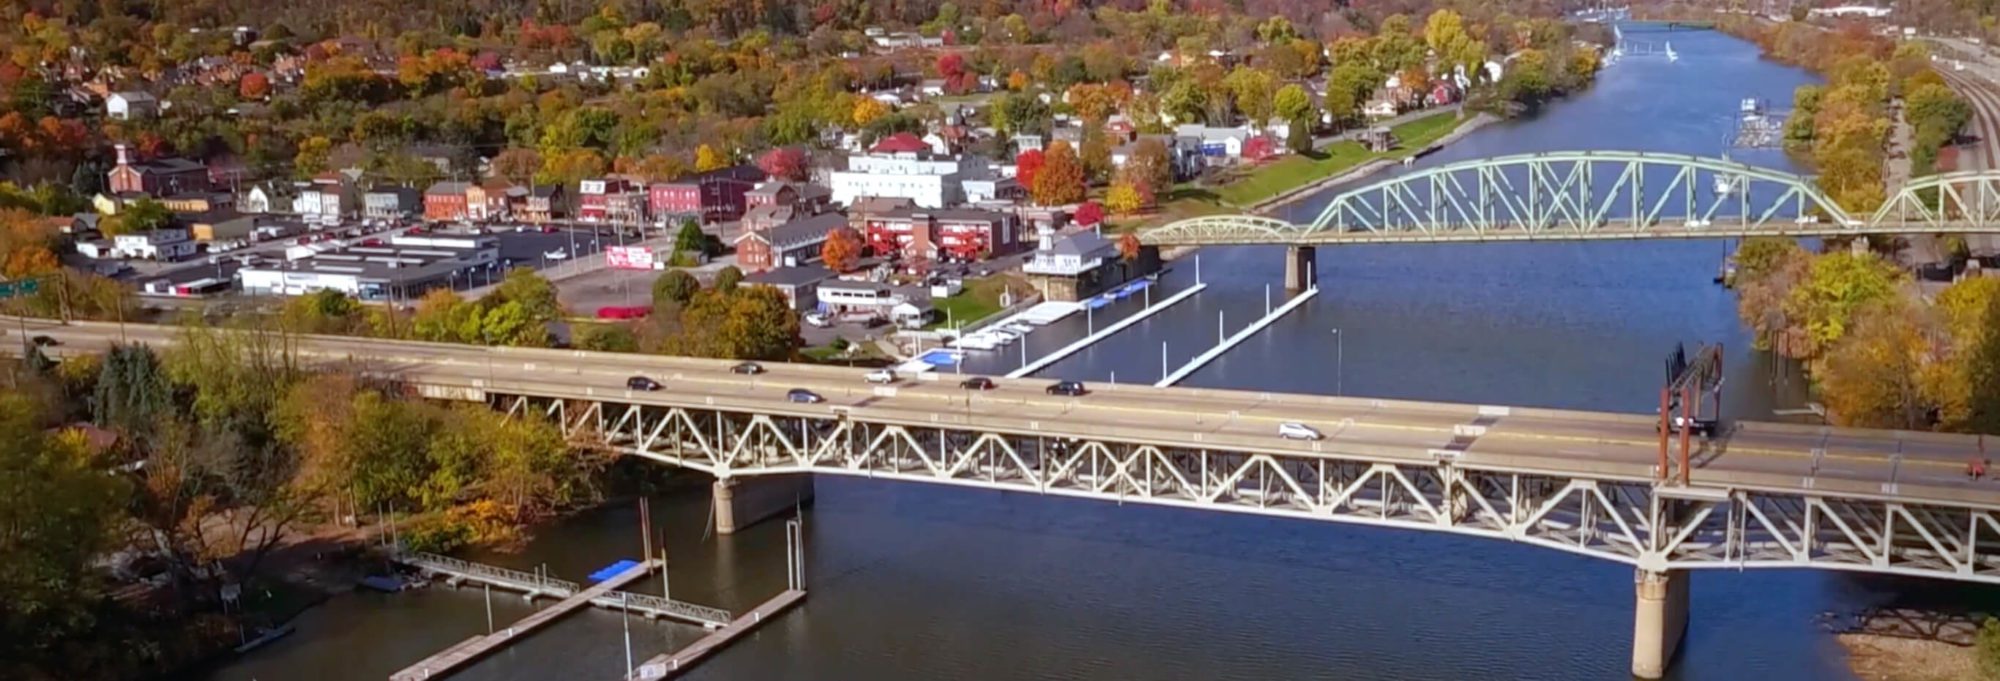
(1769, 456)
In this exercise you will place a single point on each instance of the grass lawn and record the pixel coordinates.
(1297, 170)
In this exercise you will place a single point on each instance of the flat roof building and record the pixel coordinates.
(402, 269)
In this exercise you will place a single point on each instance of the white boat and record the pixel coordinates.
(975, 342)
(1019, 328)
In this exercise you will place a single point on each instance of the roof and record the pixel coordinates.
(772, 188)
(946, 214)
(447, 188)
(169, 165)
(769, 212)
(800, 232)
(898, 143)
(545, 191)
(791, 276)
(135, 96)
(1087, 244)
(880, 204)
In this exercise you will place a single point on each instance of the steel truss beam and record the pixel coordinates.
(1602, 195)
(1631, 521)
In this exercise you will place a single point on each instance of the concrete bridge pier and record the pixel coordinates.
(1299, 264)
(742, 501)
(1659, 619)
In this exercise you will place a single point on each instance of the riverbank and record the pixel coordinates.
(1882, 658)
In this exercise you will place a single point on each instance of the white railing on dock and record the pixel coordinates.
(559, 588)
(650, 604)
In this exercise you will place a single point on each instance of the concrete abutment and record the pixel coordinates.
(1659, 618)
(1299, 267)
(743, 501)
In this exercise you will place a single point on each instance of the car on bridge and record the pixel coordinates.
(642, 383)
(44, 341)
(1706, 428)
(1066, 388)
(804, 396)
(1293, 430)
(747, 368)
(881, 377)
(977, 383)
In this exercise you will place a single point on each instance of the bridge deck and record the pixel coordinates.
(1907, 466)
(450, 659)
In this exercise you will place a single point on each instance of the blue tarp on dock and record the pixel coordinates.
(613, 570)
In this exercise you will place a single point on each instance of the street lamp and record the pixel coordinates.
(1339, 363)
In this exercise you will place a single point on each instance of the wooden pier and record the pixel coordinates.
(671, 664)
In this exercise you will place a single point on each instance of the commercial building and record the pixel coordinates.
(391, 203)
(610, 200)
(446, 202)
(787, 245)
(929, 181)
(1073, 267)
(958, 235)
(907, 306)
(402, 269)
(712, 196)
(799, 284)
(160, 244)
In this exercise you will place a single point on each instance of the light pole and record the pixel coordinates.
(1339, 362)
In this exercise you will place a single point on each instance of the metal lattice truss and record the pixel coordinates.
(1629, 520)
(1948, 202)
(1601, 195)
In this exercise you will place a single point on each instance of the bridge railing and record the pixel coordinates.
(461, 567)
(677, 609)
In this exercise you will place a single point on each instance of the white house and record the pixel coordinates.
(128, 105)
(1073, 256)
(1216, 142)
(159, 244)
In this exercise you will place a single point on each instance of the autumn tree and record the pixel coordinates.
(61, 512)
(1123, 197)
(707, 158)
(517, 165)
(867, 110)
(1026, 165)
(1060, 180)
(674, 289)
(1838, 286)
(1129, 246)
(1871, 377)
(842, 249)
(786, 163)
(253, 86)
(1089, 214)
(727, 278)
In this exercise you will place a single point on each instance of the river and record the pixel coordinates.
(916, 582)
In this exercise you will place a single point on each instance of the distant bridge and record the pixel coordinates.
(1586, 195)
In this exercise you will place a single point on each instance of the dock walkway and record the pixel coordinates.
(450, 659)
(1204, 358)
(670, 664)
(457, 571)
(1136, 317)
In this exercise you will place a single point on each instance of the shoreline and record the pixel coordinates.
(1370, 167)
(1874, 657)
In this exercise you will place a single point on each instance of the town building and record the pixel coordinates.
(195, 202)
(787, 245)
(488, 201)
(713, 196)
(122, 106)
(157, 177)
(1216, 143)
(166, 244)
(928, 180)
(1073, 267)
(446, 202)
(951, 235)
(610, 200)
(906, 306)
(220, 225)
(392, 203)
(326, 200)
(266, 197)
(799, 284)
(402, 269)
(811, 197)
(542, 203)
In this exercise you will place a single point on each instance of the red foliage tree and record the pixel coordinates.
(784, 163)
(950, 65)
(1258, 148)
(1088, 214)
(842, 249)
(1026, 166)
(253, 86)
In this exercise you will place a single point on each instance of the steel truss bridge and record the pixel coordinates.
(1626, 516)
(1590, 195)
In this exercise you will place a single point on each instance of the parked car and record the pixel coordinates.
(804, 396)
(556, 254)
(977, 383)
(748, 368)
(642, 383)
(1066, 388)
(1292, 430)
(817, 319)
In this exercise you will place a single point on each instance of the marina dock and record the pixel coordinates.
(1120, 325)
(1225, 344)
(670, 664)
(450, 659)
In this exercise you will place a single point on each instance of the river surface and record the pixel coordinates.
(912, 582)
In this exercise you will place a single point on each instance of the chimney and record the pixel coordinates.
(124, 155)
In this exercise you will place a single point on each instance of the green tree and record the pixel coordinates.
(133, 394)
(58, 513)
(323, 311)
(690, 239)
(727, 278)
(672, 290)
(605, 337)
(141, 216)
(513, 323)
(536, 295)
(442, 316)
(1292, 103)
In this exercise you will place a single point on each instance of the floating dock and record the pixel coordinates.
(451, 659)
(670, 664)
(1204, 358)
(1107, 332)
